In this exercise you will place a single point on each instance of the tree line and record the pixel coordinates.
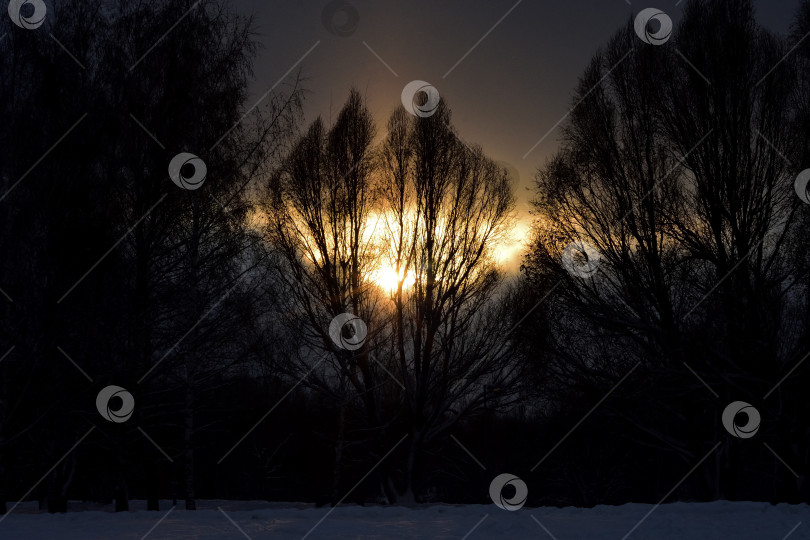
(236, 294)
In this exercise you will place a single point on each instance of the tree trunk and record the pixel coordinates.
(3, 398)
(153, 488)
(174, 485)
(54, 500)
(191, 503)
(121, 496)
(389, 489)
(339, 443)
(60, 481)
(411, 493)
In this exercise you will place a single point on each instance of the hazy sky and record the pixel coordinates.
(506, 93)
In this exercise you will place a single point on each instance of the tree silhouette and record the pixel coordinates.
(430, 209)
(676, 172)
(317, 212)
(168, 305)
(446, 206)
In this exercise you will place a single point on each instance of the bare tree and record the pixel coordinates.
(191, 254)
(676, 173)
(319, 228)
(446, 207)
(45, 98)
(402, 237)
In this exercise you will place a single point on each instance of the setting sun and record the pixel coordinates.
(388, 278)
(507, 252)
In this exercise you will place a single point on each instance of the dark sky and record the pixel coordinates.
(508, 91)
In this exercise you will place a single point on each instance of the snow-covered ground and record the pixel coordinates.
(259, 520)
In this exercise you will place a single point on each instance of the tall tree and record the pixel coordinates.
(193, 256)
(318, 223)
(675, 172)
(446, 206)
(166, 311)
(402, 237)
